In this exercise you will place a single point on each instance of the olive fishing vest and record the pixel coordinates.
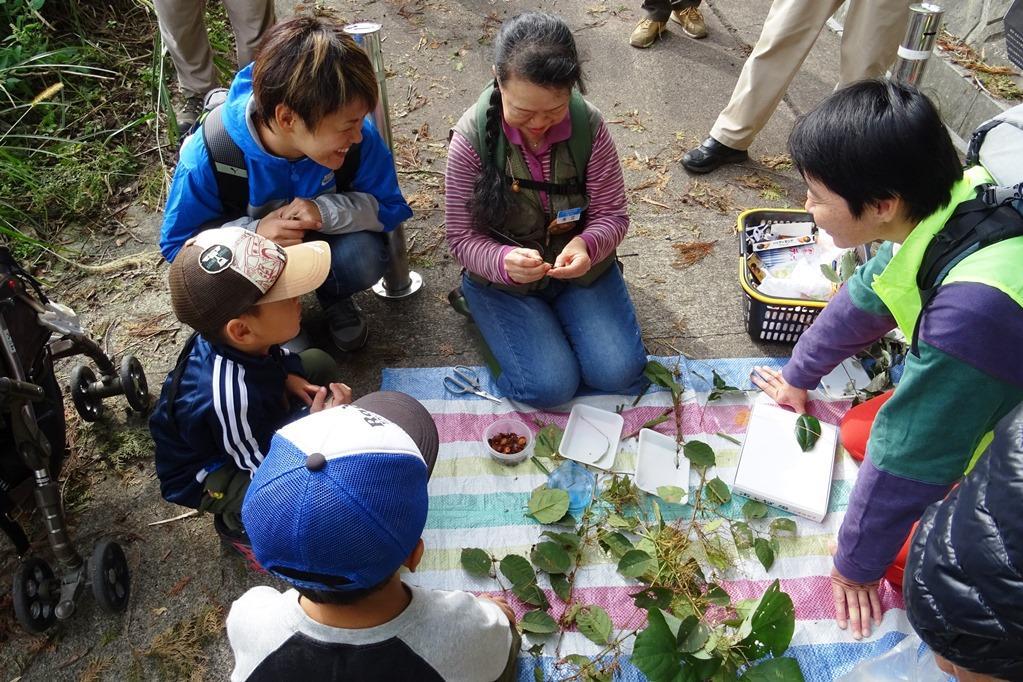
(526, 223)
(997, 265)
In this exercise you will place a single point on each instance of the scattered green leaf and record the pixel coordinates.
(517, 570)
(652, 598)
(718, 492)
(548, 441)
(476, 562)
(531, 594)
(699, 453)
(772, 623)
(659, 419)
(551, 557)
(614, 543)
(619, 521)
(774, 670)
(764, 553)
(808, 430)
(716, 595)
(783, 525)
(754, 510)
(561, 586)
(670, 493)
(547, 505)
(742, 534)
(538, 622)
(662, 376)
(696, 638)
(570, 541)
(595, 624)
(636, 563)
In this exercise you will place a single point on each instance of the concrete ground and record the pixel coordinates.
(659, 102)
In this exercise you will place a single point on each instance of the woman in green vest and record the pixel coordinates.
(880, 166)
(535, 208)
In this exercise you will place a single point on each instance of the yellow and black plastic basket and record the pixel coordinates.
(778, 320)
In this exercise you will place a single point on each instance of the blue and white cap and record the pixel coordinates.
(340, 501)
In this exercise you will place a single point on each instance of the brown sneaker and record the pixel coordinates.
(647, 33)
(691, 22)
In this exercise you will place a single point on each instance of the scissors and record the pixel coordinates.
(464, 380)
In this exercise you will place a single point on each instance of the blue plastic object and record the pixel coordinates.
(578, 481)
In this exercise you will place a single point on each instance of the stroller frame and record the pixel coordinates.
(39, 597)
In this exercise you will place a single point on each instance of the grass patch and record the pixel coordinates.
(178, 652)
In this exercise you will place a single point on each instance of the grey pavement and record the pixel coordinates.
(659, 102)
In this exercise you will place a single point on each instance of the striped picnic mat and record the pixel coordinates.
(475, 502)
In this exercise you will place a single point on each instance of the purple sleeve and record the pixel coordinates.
(608, 215)
(841, 330)
(882, 510)
(476, 250)
(978, 325)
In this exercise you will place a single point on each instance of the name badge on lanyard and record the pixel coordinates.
(569, 215)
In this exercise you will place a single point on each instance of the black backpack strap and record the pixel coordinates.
(975, 224)
(228, 164)
(179, 371)
(562, 188)
(345, 175)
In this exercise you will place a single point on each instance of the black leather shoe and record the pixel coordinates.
(711, 155)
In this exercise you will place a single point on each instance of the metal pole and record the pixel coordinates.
(398, 281)
(915, 50)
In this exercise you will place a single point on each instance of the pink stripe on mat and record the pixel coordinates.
(730, 419)
(811, 597)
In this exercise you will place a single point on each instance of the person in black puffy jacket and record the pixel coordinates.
(964, 576)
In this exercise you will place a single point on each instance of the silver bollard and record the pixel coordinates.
(398, 281)
(915, 50)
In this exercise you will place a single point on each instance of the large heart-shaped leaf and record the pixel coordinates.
(595, 624)
(655, 652)
(476, 561)
(771, 624)
(547, 505)
(539, 622)
(808, 430)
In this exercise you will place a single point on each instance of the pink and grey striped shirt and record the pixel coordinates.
(607, 218)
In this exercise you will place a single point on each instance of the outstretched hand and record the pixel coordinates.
(856, 604)
(771, 382)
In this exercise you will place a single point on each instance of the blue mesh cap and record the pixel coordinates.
(340, 501)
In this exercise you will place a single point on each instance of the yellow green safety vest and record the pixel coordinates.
(997, 265)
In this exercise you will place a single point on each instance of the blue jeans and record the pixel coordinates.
(358, 260)
(552, 341)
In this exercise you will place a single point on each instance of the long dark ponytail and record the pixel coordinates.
(537, 48)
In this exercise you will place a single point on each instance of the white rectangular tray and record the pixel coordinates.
(655, 464)
(592, 436)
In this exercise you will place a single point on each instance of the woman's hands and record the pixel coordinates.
(771, 382)
(573, 261)
(856, 604)
(527, 265)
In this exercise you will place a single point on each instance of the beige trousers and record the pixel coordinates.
(873, 31)
(183, 27)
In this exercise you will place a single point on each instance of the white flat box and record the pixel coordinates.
(773, 470)
(592, 436)
(655, 464)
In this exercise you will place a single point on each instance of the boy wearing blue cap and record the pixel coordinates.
(336, 509)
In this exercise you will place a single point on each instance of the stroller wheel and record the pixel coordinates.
(89, 407)
(111, 581)
(36, 593)
(133, 383)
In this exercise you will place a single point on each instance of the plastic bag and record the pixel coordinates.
(908, 661)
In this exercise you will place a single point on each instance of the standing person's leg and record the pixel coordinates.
(183, 29)
(600, 322)
(649, 29)
(249, 20)
(538, 365)
(358, 260)
(871, 35)
(790, 30)
(686, 14)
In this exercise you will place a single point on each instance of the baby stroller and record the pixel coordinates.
(33, 333)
